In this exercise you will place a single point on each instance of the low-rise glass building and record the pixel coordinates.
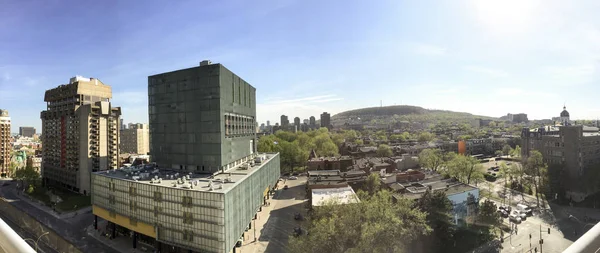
(189, 211)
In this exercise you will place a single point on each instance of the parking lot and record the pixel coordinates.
(525, 236)
(276, 221)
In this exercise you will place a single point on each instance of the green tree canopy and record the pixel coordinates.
(506, 149)
(465, 168)
(384, 151)
(431, 159)
(27, 174)
(488, 214)
(438, 208)
(366, 226)
(426, 137)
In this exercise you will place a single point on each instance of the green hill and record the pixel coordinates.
(396, 113)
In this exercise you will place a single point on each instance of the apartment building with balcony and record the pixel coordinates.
(80, 133)
(135, 139)
(5, 143)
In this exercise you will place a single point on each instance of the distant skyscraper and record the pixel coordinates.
(135, 140)
(312, 122)
(268, 123)
(123, 126)
(80, 133)
(325, 120)
(284, 122)
(297, 122)
(5, 144)
(305, 121)
(26, 131)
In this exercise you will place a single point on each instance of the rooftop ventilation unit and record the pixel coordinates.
(205, 62)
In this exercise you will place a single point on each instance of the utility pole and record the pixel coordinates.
(541, 240)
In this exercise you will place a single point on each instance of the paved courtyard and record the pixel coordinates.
(276, 222)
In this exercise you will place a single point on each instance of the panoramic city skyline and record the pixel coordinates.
(485, 58)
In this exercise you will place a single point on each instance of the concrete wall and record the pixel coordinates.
(30, 227)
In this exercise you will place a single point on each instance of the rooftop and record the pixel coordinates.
(173, 178)
(343, 195)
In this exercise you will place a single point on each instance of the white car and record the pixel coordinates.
(514, 218)
(520, 214)
(292, 178)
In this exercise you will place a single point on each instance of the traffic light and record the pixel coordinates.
(548, 230)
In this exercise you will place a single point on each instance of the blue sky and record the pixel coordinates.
(306, 57)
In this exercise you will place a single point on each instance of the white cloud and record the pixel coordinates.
(426, 49)
(487, 71)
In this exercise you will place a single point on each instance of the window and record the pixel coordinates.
(158, 196)
(111, 186)
(188, 218)
(188, 235)
(186, 201)
(132, 205)
(132, 191)
(111, 199)
(157, 211)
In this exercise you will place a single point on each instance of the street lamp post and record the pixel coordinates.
(36, 241)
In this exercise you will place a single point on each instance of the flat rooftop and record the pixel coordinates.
(343, 195)
(180, 179)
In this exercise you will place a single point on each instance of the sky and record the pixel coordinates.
(306, 57)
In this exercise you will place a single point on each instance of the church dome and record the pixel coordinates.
(564, 113)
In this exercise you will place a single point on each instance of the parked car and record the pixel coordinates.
(298, 216)
(521, 215)
(285, 187)
(295, 174)
(502, 213)
(525, 209)
(292, 178)
(514, 218)
(496, 169)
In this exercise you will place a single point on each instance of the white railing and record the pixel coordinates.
(10, 241)
(588, 242)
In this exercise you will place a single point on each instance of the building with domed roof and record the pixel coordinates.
(564, 119)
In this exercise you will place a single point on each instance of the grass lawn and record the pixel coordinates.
(39, 193)
(70, 200)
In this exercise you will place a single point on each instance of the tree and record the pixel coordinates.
(488, 214)
(516, 152)
(384, 151)
(365, 226)
(27, 175)
(426, 137)
(324, 146)
(438, 208)
(431, 159)
(373, 183)
(506, 149)
(537, 170)
(498, 153)
(358, 142)
(464, 168)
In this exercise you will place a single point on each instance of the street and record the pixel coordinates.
(72, 229)
(276, 222)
